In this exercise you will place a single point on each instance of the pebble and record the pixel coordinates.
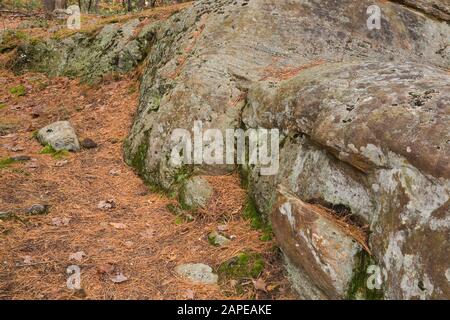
(88, 144)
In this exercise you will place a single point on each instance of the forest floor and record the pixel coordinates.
(139, 239)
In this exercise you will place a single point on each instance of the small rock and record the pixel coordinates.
(88, 144)
(196, 193)
(107, 205)
(114, 172)
(198, 273)
(217, 239)
(21, 158)
(38, 209)
(60, 135)
(61, 163)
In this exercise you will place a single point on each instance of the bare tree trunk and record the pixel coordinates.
(49, 5)
(141, 4)
(60, 4)
(129, 7)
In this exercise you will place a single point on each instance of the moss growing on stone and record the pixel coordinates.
(257, 220)
(137, 160)
(358, 288)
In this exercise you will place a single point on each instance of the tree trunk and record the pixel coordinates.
(141, 4)
(60, 4)
(49, 5)
(129, 8)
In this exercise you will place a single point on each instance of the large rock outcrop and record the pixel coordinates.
(113, 48)
(364, 117)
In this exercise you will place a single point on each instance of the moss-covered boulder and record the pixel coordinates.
(113, 48)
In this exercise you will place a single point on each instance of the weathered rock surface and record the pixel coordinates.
(205, 59)
(364, 116)
(378, 147)
(217, 239)
(114, 48)
(88, 143)
(436, 8)
(195, 193)
(324, 252)
(198, 273)
(59, 135)
(38, 209)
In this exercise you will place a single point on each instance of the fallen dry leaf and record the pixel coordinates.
(58, 222)
(105, 268)
(119, 278)
(118, 225)
(77, 256)
(27, 259)
(260, 285)
(190, 294)
(149, 233)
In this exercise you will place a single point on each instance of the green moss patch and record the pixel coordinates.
(57, 154)
(6, 162)
(182, 216)
(358, 288)
(18, 91)
(257, 220)
(12, 39)
(244, 266)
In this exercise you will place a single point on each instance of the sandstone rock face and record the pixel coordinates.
(364, 117)
(205, 59)
(439, 9)
(59, 135)
(370, 167)
(322, 250)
